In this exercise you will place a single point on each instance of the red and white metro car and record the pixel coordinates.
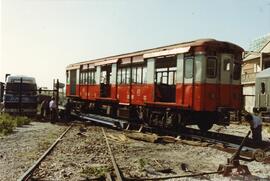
(196, 82)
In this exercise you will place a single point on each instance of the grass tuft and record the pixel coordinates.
(142, 163)
(8, 123)
(97, 171)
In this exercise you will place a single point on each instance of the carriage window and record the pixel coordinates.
(84, 78)
(91, 77)
(144, 75)
(172, 78)
(134, 74)
(236, 71)
(188, 67)
(211, 71)
(262, 87)
(87, 77)
(128, 76)
(166, 76)
(137, 74)
(227, 64)
(123, 76)
(81, 78)
(103, 77)
(119, 76)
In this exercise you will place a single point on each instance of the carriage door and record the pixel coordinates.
(165, 79)
(73, 77)
(225, 79)
(105, 81)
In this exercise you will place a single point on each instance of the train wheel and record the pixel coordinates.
(205, 126)
(179, 123)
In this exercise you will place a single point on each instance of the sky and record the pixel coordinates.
(40, 38)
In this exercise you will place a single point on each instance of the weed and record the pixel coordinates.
(20, 121)
(8, 123)
(6, 126)
(142, 163)
(43, 145)
(97, 171)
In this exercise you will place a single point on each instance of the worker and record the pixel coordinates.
(255, 126)
(43, 108)
(53, 109)
(68, 108)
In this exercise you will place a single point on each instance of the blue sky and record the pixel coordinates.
(41, 37)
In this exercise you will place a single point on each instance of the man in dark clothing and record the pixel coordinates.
(256, 127)
(68, 108)
(44, 108)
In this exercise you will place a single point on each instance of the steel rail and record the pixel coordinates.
(191, 133)
(176, 176)
(116, 168)
(29, 172)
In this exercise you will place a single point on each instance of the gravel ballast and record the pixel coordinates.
(82, 154)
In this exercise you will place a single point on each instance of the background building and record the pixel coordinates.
(257, 59)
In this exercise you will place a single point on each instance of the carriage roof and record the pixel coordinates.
(200, 42)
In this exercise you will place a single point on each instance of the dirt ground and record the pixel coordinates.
(84, 155)
(19, 150)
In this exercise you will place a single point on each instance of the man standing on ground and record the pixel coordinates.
(53, 109)
(256, 127)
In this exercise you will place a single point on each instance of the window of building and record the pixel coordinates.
(262, 87)
(211, 64)
(266, 64)
(188, 67)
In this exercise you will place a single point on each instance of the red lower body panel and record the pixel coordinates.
(208, 97)
(140, 93)
(198, 97)
(67, 90)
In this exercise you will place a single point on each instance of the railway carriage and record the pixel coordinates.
(195, 82)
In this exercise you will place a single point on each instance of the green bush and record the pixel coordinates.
(6, 126)
(20, 121)
(8, 123)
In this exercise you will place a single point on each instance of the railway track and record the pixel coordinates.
(27, 175)
(101, 165)
(101, 154)
(230, 143)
